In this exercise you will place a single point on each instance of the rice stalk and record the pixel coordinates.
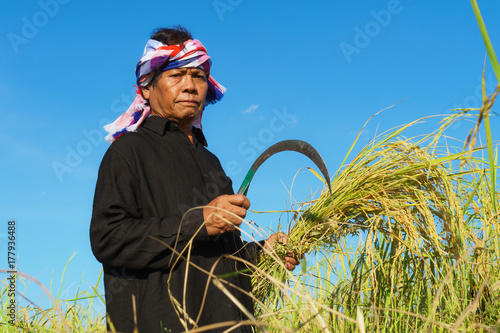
(426, 246)
(77, 314)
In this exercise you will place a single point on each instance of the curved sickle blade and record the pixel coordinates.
(290, 145)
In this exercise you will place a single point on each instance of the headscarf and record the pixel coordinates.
(158, 56)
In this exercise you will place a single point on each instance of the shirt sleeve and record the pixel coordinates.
(252, 251)
(121, 237)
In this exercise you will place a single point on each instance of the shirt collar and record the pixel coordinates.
(160, 125)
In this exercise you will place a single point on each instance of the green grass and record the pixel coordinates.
(425, 254)
(77, 314)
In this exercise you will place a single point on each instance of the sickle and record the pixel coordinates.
(291, 145)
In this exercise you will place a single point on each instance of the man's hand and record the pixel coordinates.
(224, 213)
(290, 262)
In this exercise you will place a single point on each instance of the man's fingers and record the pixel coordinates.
(228, 211)
(290, 263)
(238, 200)
(292, 260)
(282, 238)
(289, 259)
(225, 213)
(229, 202)
(233, 204)
(223, 218)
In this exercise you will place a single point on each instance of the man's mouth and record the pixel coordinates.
(190, 102)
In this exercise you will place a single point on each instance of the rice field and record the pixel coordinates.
(410, 244)
(408, 241)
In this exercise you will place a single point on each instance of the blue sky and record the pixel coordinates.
(294, 70)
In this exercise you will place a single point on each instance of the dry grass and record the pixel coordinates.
(427, 244)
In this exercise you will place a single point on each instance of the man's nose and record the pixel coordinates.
(188, 83)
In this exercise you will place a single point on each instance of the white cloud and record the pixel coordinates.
(251, 109)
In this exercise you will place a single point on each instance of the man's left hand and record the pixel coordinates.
(290, 261)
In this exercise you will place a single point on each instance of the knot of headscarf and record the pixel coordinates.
(158, 56)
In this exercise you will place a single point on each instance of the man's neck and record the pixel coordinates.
(188, 129)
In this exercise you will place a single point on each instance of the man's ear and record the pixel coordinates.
(146, 92)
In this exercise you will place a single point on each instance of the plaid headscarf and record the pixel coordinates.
(158, 56)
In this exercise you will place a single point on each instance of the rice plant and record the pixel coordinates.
(427, 249)
(77, 314)
(407, 242)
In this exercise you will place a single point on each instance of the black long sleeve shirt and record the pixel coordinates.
(149, 185)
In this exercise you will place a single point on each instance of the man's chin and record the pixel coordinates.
(193, 116)
(189, 119)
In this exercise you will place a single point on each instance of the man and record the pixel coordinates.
(165, 218)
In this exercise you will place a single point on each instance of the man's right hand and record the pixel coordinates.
(224, 213)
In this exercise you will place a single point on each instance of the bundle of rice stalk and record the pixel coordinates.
(395, 186)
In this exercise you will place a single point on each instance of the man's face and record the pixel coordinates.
(178, 95)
